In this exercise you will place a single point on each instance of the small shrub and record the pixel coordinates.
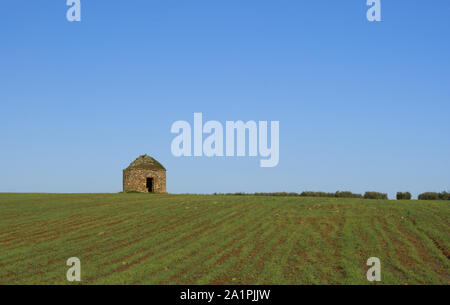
(429, 196)
(375, 195)
(444, 196)
(434, 196)
(403, 196)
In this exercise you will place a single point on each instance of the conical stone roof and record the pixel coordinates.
(146, 162)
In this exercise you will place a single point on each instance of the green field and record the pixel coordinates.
(207, 239)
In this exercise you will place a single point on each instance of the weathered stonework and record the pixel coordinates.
(144, 169)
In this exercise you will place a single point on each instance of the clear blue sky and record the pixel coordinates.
(362, 106)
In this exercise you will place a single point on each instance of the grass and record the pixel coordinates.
(205, 239)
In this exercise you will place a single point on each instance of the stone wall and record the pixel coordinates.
(136, 180)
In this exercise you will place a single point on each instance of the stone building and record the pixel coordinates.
(145, 175)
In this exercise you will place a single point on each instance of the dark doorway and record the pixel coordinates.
(150, 185)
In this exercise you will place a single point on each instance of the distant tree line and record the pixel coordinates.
(293, 194)
(347, 194)
(434, 196)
